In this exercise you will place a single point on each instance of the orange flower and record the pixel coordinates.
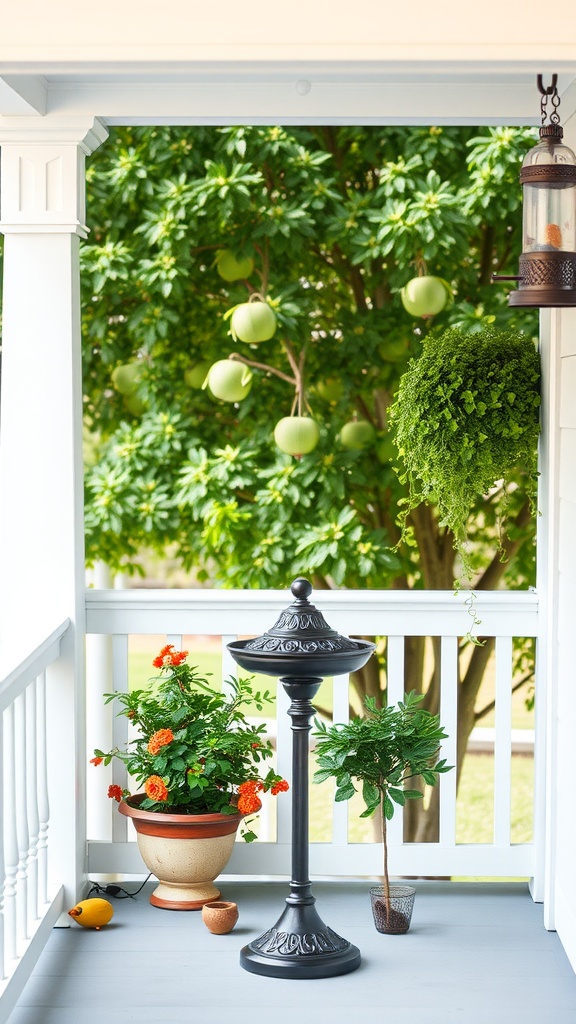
(249, 803)
(160, 739)
(250, 788)
(178, 657)
(115, 793)
(280, 787)
(168, 656)
(156, 789)
(96, 760)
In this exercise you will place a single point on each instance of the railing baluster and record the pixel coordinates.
(449, 721)
(10, 840)
(284, 762)
(22, 838)
(32, 804)
(229, 666)
(42, 783)
(99, 679)
(341, 708)
(395, 687)
(503, 742)
(119, 732)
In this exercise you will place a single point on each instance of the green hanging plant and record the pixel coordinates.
(466, 415)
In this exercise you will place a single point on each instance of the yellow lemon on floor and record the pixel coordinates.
(93, 913)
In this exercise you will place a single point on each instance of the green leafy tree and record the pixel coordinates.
(330, 224)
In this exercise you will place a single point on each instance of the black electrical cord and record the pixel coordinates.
(116, 890)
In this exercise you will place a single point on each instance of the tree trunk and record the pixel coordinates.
(420, 823)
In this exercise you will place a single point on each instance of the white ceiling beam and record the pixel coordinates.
(23, 94)
(300, 101)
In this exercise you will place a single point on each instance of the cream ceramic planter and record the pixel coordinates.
(186, 852)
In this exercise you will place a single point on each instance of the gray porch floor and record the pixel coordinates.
(475, 953)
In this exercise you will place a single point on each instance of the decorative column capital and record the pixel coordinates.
(42, 184)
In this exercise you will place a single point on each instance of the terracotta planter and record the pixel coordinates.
(186, 852)
(220, 916)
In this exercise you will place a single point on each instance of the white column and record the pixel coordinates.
(561, 910)
(41, 478)
(542, 884)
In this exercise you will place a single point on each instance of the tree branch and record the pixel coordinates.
(262, 366)
(490, 707)
(494, 572)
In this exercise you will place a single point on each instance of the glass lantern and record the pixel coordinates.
(547, 272)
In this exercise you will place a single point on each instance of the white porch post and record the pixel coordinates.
(560, 898)
(41, 499)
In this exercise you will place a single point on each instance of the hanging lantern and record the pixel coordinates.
(547, 270)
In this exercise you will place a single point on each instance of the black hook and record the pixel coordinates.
(551, 88)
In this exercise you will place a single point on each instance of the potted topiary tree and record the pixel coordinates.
(383, 751)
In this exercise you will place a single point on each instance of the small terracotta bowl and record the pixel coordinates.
(219, 916)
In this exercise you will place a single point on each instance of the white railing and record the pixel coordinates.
(30, 904)
(395, 615)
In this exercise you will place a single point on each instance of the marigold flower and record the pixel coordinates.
(250, 787)
(178, 657)
(96, 760)
(155, 788)
(115, 793)
(160, 739)
(249, 803)
(280, 787)
(168, 656)
(255, 746)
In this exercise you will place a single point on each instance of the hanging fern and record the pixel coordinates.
(465, 416)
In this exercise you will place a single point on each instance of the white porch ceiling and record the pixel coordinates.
(290, 92)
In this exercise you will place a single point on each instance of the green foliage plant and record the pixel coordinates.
(465, 418)
(382, 750)
(194, 751)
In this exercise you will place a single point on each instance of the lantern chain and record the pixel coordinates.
(555, 116)
(552, 91)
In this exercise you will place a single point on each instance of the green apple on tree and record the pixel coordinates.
(229, 380)
(127, 377)
(330, 390)
(195, 375)
(253, 322)
(135, 404)
(357, 434)
(393, 350)
(232, 268)
(296, 435)
(425, 296)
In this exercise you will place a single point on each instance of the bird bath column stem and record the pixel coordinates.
(301, 711)
(300, 944)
